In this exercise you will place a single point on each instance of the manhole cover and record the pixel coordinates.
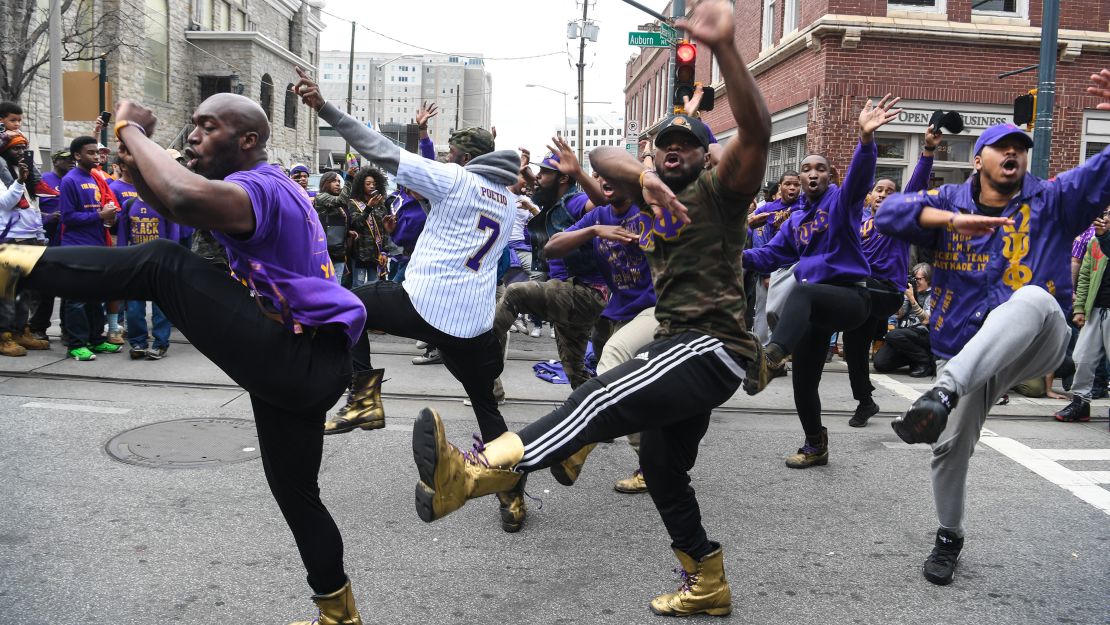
(187, 443)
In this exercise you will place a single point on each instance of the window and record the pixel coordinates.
(156, 79)
(266, 96)
(936, 6)
(890, 147)
(1093, 147)
(768, 23)
(290, 107)
(228, 18)
(789, 16)
(894, 173)
(1011, 8)
(785, 155)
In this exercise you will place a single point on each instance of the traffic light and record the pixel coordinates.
(686, 55)
(1025, 109)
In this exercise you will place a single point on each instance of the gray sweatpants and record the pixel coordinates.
(1025, 337)
(782, 284)
(1091, 345)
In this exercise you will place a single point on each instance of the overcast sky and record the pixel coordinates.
(507, 28)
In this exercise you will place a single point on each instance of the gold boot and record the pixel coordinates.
(364, 405)
(16, 261)
(566, 472)
(337, 608)
(632, 485)
(449, 477)
(28, 341)
(9, 347)
(512, 508)
(704, 589)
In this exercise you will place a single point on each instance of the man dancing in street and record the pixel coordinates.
(282, 330)
(1001, 285)
(703, 347)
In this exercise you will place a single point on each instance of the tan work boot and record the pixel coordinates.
(364, 405)
(28, 341)
(765, 365)
(337, 608)
(9, 347)
(449, 477)
(632, 485)
(810, 454)
(16, 261)
(704, 589)
(567, 471)
(512, 508)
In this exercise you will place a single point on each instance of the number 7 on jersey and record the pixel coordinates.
(474, 263)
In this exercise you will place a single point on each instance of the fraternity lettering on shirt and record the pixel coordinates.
(91, 186)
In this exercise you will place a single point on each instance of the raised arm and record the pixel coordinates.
(861, 172)
(569, 165)
(744, 160)
(778, 252)
(426, 112)
(369, 143)
(919, 180)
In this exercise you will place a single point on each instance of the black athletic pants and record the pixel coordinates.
(667, 395)
(885, 301)
(905, 346)
(293, 379)
(475, 362)
(813, 312)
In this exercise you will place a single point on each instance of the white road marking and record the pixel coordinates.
(917, 446)
(1099, 477)
(896, 387)
(1079, 483)
(76, 407)
(1075, 454)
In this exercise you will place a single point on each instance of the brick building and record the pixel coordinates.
(817, 62)
(187, 50)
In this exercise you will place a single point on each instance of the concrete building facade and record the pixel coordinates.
(188, 50)
(817, 62)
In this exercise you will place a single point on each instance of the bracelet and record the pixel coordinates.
(929, 149)
(646, 171)
(422, 126)
(123, 123)
(952, 220)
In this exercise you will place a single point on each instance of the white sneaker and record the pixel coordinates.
(535, 333)
(519, 325)
(552, 331)
(421, 345)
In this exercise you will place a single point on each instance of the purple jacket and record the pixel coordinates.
(823, 238)
(974, 275)
(761, 235)
(889, 257)
(78, 204)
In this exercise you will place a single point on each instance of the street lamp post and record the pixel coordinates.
(564, 93)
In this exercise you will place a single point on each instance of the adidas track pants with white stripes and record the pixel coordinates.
(667, 392)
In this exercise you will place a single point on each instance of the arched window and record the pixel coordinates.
(290, 107)
(156, 79)
(266, 96)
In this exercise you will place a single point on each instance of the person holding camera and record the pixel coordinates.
(908, 344)
(20, 223)
(331, 207)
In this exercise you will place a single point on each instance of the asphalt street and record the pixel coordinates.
(88, 539)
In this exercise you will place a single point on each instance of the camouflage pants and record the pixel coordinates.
(571, 308)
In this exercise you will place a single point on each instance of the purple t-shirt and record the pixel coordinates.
(624, 267)
(78, 203)
(285, 260)
(556, 268)
(138, 223)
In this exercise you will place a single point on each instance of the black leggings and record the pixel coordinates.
(475, 362)
(293, 379)
(668, 396)
(885, 301)
(813, 312)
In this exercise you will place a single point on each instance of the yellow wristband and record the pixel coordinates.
(123, 123)
(646, 171)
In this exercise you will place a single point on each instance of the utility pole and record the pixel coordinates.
(582, 79)
(678, 9)
(1046, 89)
(57, 118)
(458, 105)
(350, 90)
(103, 96)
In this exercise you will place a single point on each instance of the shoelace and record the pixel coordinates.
(688, 580)
(944, 555)
(477, 455)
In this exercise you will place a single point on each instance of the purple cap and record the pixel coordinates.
(994, 134)
(551, 161)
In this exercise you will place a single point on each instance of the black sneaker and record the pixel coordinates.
(1078, 410)
(137, 353)
(1097, 393)
(926, 418)
(940, 566)
(863, 413)
(156, 353)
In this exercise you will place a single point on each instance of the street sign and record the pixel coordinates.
(669, 33)
(632, 128)
(647, 40)
(632, 147)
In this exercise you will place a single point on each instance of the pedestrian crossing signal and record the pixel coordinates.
(1025, 109)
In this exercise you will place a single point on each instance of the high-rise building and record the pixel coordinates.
(388, 89)
(605, 130)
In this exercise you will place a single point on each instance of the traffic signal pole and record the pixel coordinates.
(1046, 89)
(582, 79)
(678, 9)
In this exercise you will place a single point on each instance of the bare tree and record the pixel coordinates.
(88, 32)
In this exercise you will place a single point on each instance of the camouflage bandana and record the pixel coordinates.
(472, 141)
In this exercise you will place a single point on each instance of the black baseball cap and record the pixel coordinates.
(686, 124)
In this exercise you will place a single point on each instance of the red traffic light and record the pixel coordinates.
(686, 52)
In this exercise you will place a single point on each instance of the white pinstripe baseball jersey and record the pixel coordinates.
(451, 277)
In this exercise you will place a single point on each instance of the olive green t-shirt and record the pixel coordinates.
(697, 268)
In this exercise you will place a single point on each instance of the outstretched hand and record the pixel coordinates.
(662, 201)
(308, 90)
(568, 161)
(426, 112)
(615, 233)
(711, 23)
(690, 105)
(873, 117)
(1101, 89)
(933, 137)
(978, 225)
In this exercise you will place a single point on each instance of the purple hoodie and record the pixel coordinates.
(823, 238)
(890, 257)
(974, 275)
